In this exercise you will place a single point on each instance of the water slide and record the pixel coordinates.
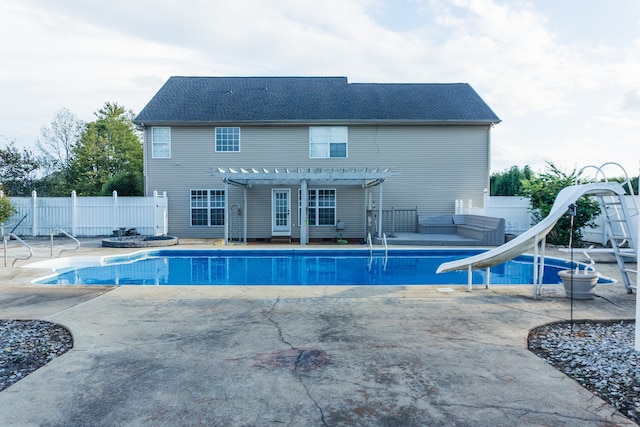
(535, 234)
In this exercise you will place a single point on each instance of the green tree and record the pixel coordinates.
(109, 146)
(509, 182)
(19, 170)
(543, 189)
(6, 209)
(126, 184)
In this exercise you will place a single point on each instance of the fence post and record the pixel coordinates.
(157, 215)
(34, 206)
(154, 213)
(115, 209)
(74, 213)
(485, 201)
(393, 221)
(165, 214)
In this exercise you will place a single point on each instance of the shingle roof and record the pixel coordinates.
(311, 99)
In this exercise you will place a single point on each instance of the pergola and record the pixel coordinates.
(304, 177)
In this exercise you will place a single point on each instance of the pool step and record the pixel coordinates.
(281, 239)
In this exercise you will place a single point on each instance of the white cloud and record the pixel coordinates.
(551, 91)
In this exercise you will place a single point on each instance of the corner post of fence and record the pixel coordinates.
(485, 201)
(154, 213)
(34, 207)
(74, 213)
(115, 209)
(165, 214)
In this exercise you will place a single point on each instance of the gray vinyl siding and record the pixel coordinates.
(438, 164)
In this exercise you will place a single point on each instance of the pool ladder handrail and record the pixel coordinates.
(6, 237)
(60, 230)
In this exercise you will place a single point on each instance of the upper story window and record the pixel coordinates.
(161, 142)
(227, 140)
(328, 142)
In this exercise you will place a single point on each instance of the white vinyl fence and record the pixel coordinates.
(517, 215)
(88, 216)
(514, 210)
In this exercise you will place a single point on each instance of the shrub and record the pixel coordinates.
(543, 189)
(6, 209)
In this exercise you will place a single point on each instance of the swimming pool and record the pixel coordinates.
(292, 267)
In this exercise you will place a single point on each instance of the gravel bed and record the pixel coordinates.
(26, 345)
(600, 356)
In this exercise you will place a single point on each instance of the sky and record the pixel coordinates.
(562, 75)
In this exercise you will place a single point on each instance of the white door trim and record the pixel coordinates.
(281, 212)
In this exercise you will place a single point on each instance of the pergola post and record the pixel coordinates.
(304, 202)
(226, 212)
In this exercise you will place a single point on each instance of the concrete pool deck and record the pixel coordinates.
(389, 356)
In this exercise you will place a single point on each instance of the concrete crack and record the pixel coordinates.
(300, 364)
(315, 402)
(277, 325)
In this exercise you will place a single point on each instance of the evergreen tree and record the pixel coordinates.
(109, 146)
(509, 182)
(18, 170)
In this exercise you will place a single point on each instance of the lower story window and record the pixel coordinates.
(207, 207)
(321, 207)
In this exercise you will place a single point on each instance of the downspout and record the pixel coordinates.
(367, 205)
(244, 216)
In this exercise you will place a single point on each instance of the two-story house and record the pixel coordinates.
(305, 158)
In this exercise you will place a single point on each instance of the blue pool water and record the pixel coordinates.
(296, 267)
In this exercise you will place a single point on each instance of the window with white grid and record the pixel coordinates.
(227, 140)
(207, 207)
(322, 206)
(161, 142)
(328, 142)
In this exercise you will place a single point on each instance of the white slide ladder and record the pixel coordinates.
(620, 228)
